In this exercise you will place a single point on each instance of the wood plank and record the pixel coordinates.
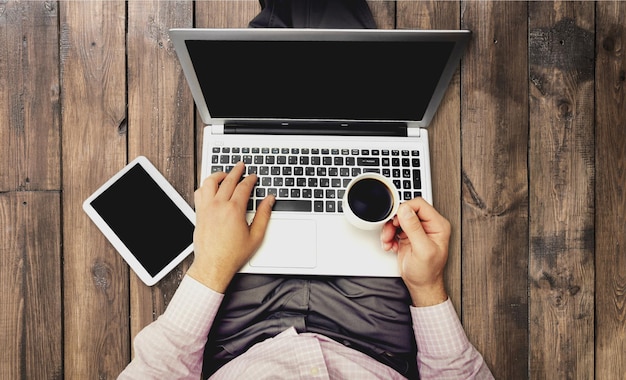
(225, 13)
(384, 13)
(610, 189)
(494, 145)
(30, 279)
(160, 125)
(444, 134)
(561, 170)
(29, 96)
(95, 278)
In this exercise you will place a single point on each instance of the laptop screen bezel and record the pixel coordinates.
(459, 37)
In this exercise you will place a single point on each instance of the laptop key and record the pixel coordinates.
(319, 206)
(417, 179)
(369, 161)
(330, 206)
(291, 205)
(371, 170)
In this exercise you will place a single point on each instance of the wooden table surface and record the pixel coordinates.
(528, 152)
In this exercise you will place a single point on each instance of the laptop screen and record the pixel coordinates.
(361, 75)
(327, 80)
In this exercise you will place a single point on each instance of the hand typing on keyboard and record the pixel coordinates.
(223, 240)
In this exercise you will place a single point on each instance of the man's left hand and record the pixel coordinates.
(223, 240)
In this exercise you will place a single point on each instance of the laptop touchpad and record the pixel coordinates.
(288, 243)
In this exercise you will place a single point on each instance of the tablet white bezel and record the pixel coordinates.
(128, 256)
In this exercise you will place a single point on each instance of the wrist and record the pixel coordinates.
(214, 280)
(428, 295)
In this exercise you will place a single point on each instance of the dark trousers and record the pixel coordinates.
(331, 14)
(370, 315)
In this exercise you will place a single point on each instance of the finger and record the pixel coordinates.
(227, 187)
(208, 189)
(395, 221)
(261, 220)
(411, 225)
(242, 192)
(212, 182)
(430, 219)
(387, 235)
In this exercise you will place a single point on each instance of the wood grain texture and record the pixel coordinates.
(494, 145)
(384, 13)
(30, 279)
(226, 13)
(610, 238)
(561, 172)
(29, 96)
(444, 134)
(160, 125)
(95, 278)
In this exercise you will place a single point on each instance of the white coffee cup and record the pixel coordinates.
(370, 200)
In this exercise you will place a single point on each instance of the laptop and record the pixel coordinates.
(309, 109)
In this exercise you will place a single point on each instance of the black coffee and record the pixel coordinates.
(370, 200)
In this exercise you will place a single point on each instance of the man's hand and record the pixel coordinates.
(420, 237)
(223, 240)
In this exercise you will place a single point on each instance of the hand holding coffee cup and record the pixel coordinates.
(370, 200)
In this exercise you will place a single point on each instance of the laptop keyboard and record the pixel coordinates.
(314, 180)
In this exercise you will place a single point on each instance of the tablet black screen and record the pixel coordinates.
(145, 219)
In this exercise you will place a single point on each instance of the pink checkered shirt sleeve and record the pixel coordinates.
(443, 350)
(174, 343)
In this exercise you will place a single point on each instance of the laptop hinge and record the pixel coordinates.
(217, 129)
(317, 128)
(414, 132)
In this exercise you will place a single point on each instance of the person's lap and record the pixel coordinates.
(369, 314)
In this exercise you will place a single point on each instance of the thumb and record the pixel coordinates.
(410, 224)
(261, 219)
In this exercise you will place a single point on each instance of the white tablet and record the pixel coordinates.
(145, 219)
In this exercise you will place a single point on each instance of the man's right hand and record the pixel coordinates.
(420, 236)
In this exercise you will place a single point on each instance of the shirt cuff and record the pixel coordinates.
(438, 331)
(193, 307)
